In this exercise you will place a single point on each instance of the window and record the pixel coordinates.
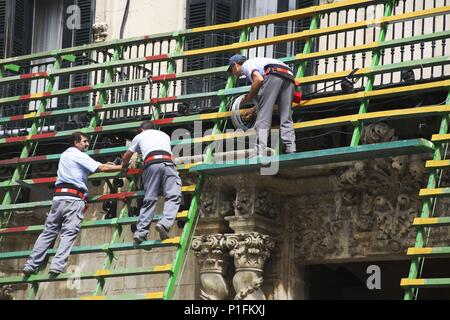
(16, 20)
(202, 13)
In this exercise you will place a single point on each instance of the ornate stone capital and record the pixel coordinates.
(210, 251)
(249, 250)
(6, 293)
(100, 31)
(212, 258)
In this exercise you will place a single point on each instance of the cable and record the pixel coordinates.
(236, 118)
(124, 19)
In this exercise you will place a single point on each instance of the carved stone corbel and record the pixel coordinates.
(215, 203)
(249, 251)
(100, 31)
(212, 258)
(6, 293)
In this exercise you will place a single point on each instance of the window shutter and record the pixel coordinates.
(84, 34)
(302, 24)
(280, 29)
(203, 13)
(15, 40)
(79, 37)
(2, 28)
(197, 16)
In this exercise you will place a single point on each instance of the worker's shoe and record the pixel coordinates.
(138, 239)
(163, 232)
(289, 151)
(54, 273)
(262, 152)
(27, 271)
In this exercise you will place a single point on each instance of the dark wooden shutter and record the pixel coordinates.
(84, 34)
(2, 28)
(197, 16)
(302, 24)
(203, 13)
(280, 29)
(78, 37)
(16, 21)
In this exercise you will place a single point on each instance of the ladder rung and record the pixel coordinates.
(440, 138)
(149, 244)
(324, 156)
(91, 199)
(425, 283)
(429, 252)
(430, 193)
(139, 296)
(102, 273)
(437, 164)
(88, 224)
(442, 221)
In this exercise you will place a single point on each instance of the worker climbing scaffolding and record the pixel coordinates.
(159, 173)
(68, 206)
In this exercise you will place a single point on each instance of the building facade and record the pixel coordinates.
(308, 232)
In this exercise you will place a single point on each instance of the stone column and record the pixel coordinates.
(212, 258)
(250, 251)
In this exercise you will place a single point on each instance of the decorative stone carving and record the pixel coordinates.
(217, 200)
(250, 252)
(317, 232)
(376, 133)
(243, 203)
(381, 195)
(6, 293)
(100, 30)
(208, 203)
(267, 204)
(212, 258)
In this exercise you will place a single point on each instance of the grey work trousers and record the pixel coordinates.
(280, 91)
(65, 215)
(159, 176)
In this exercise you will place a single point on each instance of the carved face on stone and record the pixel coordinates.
(378, 132)
(399, 163)
(381, 204)
(416, 169)
(403, 201)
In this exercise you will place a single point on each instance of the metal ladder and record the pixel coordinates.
(427, 221)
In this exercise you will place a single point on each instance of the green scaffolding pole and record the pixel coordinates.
(118, 228)
(427, 210)
(20, 172)
(192, 213)
(376, 56)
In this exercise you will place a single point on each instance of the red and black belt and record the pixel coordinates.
(282, 72)
(270, 70)
(70, 192)
(158, 156)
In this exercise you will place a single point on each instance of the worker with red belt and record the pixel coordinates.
(68, 205)
(160, 173)
(272, 82)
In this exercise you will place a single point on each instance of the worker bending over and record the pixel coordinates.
(272, 82)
